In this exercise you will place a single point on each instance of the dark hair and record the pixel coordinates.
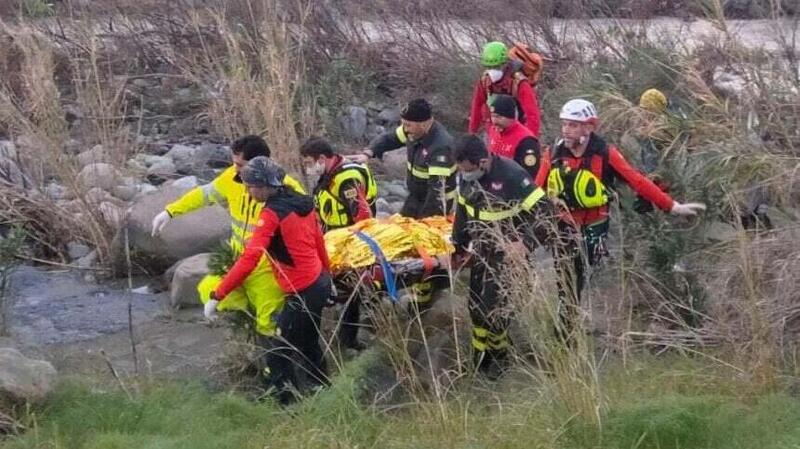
(470, 148)
(315, 147)
(250, 147)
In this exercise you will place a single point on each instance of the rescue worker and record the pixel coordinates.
(503, 75)
(344, 194)
(583, 172)
(430, 177)
(345, 191)
(655, 136)
(510, 139)
(288, 232)
(260, 292)
(496, 195)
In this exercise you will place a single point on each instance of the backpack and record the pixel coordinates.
(532, 62)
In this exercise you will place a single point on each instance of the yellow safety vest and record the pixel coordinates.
(580, 189)
(332, 211)
(243, 209)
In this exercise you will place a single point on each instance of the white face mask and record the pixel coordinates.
(473, 175)
(494, 74)
(316, 170)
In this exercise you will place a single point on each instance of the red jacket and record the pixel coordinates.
(617, 167)
(289, 233)
(519, 144)
(480, 115)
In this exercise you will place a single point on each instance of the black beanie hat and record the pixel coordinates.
(418, 110)
(504, 106)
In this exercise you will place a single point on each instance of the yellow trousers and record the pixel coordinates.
(259, 295)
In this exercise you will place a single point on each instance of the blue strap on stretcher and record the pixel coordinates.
(388, 271)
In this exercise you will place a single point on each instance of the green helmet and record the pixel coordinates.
(494, 54)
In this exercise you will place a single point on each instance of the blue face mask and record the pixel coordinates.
(473, 175)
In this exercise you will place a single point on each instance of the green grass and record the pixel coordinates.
(658, 404)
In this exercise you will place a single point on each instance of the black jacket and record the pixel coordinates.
(506, 196)
(431, 167)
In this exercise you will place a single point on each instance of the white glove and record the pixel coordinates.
(688, 209)
(159, 222)
(210, 309)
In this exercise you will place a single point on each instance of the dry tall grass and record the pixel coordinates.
(32, 109)
(254, 76)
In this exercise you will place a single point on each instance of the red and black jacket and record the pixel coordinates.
(608, 164)
(518, 143)
(289, 233)
(479, 115)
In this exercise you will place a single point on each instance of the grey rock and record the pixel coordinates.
(97, 154)
(76, 250)
(23, 379)
(145, 189)
(125, 192)
(187, 274)
(136, 165)
(214, 155)
(354, 122)
(374, 131)
(185, 183)
(389, 117)
(150, 160)
(198, 232)
(393, 189)
(58, 192)
(394, 164)
(102, 175)
(181, 152)
(96, 195)
(161, 171)
(112, 214)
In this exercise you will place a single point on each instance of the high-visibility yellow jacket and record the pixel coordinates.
(225, 190)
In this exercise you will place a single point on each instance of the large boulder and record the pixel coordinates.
(184, 236)
(102, 175)
(23, 379)
(187, 274)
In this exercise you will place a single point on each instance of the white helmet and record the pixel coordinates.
(579, 110)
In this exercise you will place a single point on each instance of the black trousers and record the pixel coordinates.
(488, 308)
(574, 250)
(351, 322)
(296, 353)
